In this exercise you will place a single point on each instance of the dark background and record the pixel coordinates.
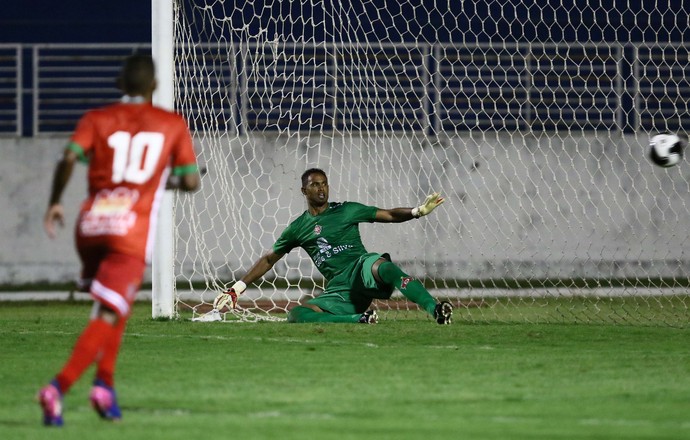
(460, 21)
(70, 21)
(73, 21)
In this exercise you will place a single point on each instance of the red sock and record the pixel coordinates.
(89, 345)
(111, 348)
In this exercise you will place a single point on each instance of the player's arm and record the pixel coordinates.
(55, 214)
(190, 181)
(398, 215)
(258, 269)
(185, 175)
(261, 266)
(184, 179)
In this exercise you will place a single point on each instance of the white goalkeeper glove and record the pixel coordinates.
(229, 298)
(430, 203)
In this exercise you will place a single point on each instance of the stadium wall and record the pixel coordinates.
(520, 207)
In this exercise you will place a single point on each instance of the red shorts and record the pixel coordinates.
(113, 278)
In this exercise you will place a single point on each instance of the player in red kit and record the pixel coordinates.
(132, 148)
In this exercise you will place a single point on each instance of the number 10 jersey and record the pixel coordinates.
(130, 149)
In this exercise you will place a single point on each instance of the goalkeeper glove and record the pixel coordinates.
(430, 203)
(229, 298)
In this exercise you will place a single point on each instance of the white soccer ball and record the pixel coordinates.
(666, 150)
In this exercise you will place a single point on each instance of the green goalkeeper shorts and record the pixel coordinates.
(352, 290)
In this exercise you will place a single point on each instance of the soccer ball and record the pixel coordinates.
(666, 150)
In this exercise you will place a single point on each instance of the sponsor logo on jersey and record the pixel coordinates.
(326, 250)
(111, 212)
(323, 245)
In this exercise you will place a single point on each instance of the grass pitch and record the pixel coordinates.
(400, 379)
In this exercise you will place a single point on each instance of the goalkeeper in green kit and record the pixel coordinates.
(329, 233)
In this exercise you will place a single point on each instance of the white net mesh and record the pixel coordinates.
(553, 210)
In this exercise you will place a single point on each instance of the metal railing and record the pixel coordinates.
(350, 87)
(11, 102)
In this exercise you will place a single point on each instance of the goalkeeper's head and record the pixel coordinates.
(138, 76)
(315, 187)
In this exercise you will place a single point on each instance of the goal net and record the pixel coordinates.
(533, 121)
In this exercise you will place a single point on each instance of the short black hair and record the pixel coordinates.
(137, 75)
(309, 172)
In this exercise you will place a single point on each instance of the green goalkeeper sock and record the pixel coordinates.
(305, 314)
(412, 289)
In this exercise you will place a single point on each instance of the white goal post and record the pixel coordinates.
(163, 258)
(535, 134)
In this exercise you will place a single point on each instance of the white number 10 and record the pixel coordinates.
(135, 156)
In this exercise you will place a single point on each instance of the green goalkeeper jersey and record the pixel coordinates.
(331, 238)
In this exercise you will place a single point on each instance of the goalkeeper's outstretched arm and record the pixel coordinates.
(261, 266)
(258, 269)
(398, 215)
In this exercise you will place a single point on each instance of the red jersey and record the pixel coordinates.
(131, 149)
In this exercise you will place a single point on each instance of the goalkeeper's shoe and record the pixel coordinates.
(50, 399)
(443, 312)
(369, 317)
(104, 401)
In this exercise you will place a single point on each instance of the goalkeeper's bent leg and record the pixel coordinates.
(302, 314)
(411, 288)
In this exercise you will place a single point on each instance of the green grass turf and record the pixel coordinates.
(400, 379)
